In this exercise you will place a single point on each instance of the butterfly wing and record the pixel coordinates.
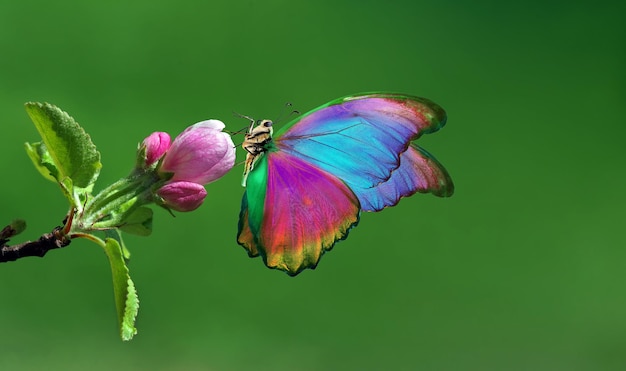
(419, 171)
(362, 140)
(292, 212)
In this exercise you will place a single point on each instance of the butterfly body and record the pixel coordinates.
(306, 186)
(255, 144)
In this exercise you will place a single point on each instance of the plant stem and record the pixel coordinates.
(108, 207)
(48, 241)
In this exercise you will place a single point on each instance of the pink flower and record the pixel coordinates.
(156, 145)
(200, 154)
(182, 196)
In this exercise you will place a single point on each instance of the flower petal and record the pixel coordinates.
(200, 154)
(156, 145)
(182, 196)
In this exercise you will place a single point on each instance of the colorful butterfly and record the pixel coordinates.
(306, 186)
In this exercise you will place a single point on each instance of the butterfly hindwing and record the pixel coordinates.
(305, 210)
(419, 171)
(245, 237)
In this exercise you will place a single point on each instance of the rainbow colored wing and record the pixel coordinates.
(352, 154)
(292, 212)
(362, 139)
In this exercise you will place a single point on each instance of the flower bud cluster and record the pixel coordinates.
(200, 155)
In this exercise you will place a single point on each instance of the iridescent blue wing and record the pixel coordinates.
(365, 141)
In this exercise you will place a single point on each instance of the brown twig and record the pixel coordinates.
(53, 240)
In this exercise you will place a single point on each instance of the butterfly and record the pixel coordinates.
(307, 184)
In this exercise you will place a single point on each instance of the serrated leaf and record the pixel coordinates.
(40, 156)
(42, 160)
(70, 148)
(116, 234)
(139, 222)
(131, 307)
(126, 300)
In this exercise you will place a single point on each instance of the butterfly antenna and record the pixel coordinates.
(284, 115)
(247, 128)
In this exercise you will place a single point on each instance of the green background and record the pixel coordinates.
(523, 269)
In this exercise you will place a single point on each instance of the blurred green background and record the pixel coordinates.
(523, 269)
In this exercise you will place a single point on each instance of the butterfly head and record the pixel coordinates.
(263, 127)
(258, 137)
(257, 141)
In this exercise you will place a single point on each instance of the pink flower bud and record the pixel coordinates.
(182, 196)
(156, 145)
(200, 154)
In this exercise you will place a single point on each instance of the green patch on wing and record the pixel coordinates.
(255, 193)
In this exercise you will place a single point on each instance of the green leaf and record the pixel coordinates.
(126, 300)
(139, 222)
(116, 234)
(42, 160)
(69, 147)
(40, 156)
